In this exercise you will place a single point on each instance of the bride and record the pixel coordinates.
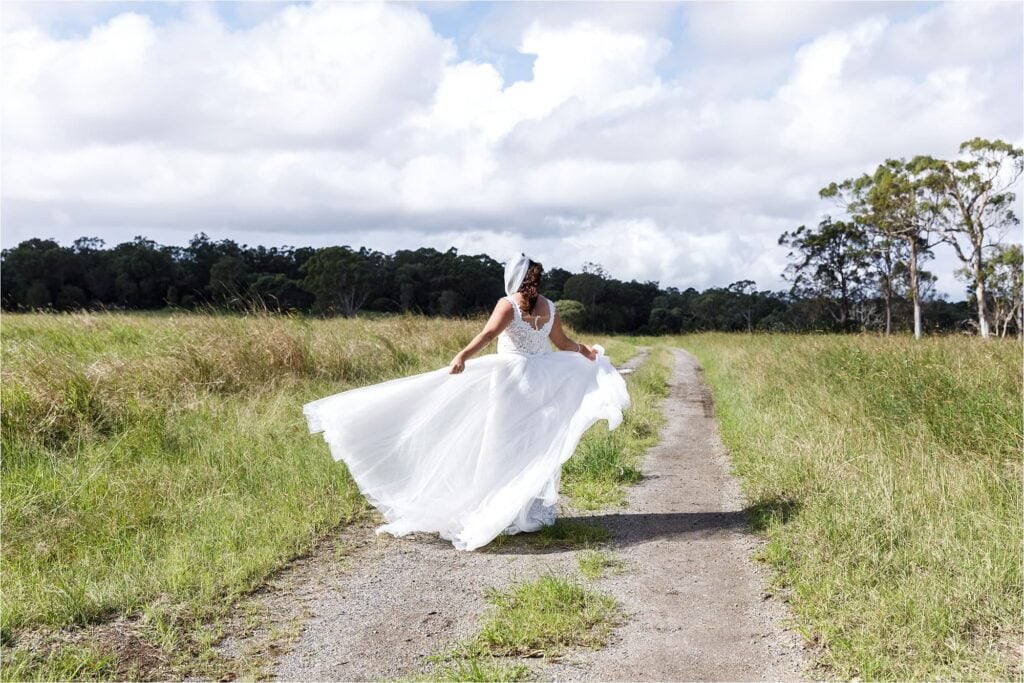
(476, 449)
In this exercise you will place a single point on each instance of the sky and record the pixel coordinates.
(671, 142)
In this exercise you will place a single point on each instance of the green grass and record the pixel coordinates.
(544, 616)
(618, 349)
(887, 476)
(607, 461)
(538, 618)
(475, 667)
(60, 664)
(159, 465)
(594, 563)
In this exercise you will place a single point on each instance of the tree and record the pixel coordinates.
(342, 279)
(93, 262)
(449, 302)
(277, 291)
(228, 279)
(744, 292)
(38, 295)
(828, 263)
(37, 269)
(885, 256)
(973, 200)
(665, 320)
(572, 313)
(70, 298)
(1005, 280)
(142, 272)
(892, 206)
(624, 305)
(586, 288)
(552, 283)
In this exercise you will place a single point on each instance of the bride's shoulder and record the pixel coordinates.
(504, 305)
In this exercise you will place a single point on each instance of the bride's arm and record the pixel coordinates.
(560, 339)
(498, 321)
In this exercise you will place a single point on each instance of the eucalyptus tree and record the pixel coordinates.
(886, 257)
(1005, 282)
(973, 198)
(745, 293)
(828, 263)
(892, 203)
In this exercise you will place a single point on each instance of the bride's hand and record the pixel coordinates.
(588, 352)
(457, 365)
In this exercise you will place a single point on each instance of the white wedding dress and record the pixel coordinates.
(472, 455)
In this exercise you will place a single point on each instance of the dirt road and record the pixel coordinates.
(696, 599)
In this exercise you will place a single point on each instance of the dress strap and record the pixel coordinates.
(515, 308)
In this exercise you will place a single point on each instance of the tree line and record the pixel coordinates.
(864, 272)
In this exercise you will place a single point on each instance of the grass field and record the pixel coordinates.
(160, 464)
(887, 475)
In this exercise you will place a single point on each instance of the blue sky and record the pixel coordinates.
(667, 141)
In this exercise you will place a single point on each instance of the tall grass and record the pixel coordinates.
(162, 463)
(166, 456)
(887, 475)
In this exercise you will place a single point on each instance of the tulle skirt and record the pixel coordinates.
(472, 455)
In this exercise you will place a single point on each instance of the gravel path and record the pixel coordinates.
(699, 610)
(372, 607)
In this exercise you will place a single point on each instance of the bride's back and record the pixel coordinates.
(528, 334)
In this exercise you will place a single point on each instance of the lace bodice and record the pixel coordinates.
(521, 337)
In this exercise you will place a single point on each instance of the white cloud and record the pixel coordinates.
(306, 76)
(666, 155)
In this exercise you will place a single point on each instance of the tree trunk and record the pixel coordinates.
(979, 294)
(887, 292)
(351, 301)
(914, 287)
(844, 307)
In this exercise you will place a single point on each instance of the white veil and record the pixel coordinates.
(515, 272)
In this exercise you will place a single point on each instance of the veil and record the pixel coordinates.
(515, 272)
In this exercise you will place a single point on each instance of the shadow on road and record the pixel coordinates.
(631, 528)
(627, 529)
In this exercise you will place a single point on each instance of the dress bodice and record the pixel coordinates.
(522, 337)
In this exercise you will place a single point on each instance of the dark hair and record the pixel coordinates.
(530, 284)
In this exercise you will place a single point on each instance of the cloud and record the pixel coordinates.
(671, 143)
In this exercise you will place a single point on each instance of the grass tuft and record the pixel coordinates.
(537, 618)
(541, 617)
(594, 563)
(473, 667)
